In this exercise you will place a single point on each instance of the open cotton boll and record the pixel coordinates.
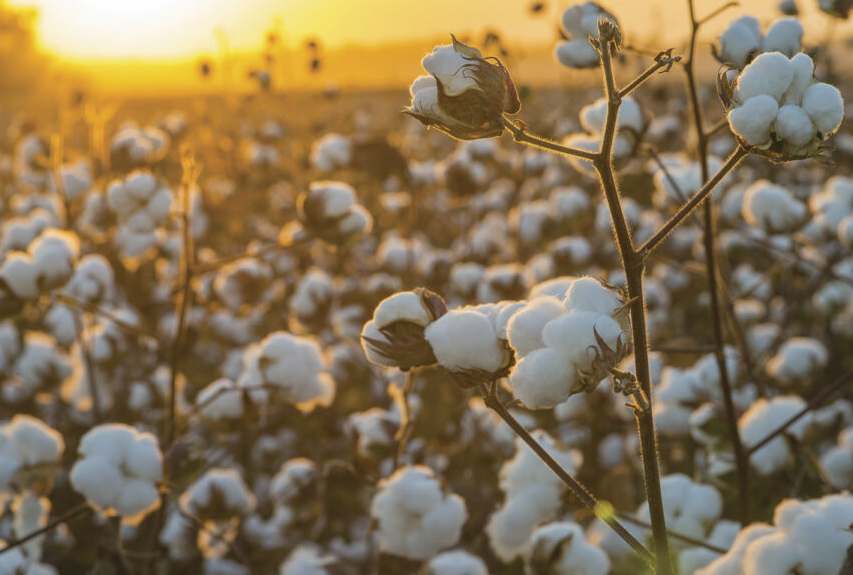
(803, 74)
(330, 152)
(543, 378)
(723, 535)
(222, 399)
(53, 253)
(402, 306)
(740, 39)
(769, 74)
(456, 562)
(416, 517)
(825, 106)
(730, 562)
(753, 119)
(466, 340)
(573, 336)
(797, 359)
(577, 53)
(307, 559)
(218, 494)
(762, 418)
(562, 550)
(794, 125)
(589, 294)
(20, 275)
(772, 207)
(292, 479)
(784, 35)
(837, 462)
(295, 366)
(448, 67)
(118, 471)
(524, 329)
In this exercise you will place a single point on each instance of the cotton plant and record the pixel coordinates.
(140, 204)
(329, 210)
(133, 145)
(416, 517)
(778, 109)
(579, 23)
(118, 471)
(743, 40)
(532, 494)
(47, 265)
(809, 537)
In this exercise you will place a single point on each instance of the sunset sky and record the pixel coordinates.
(91, 33)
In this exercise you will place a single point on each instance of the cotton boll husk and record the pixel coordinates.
(784, 35)
(574, 333)
(825, 107)
(462, 339)
(448, 66)
(752, 120)
(576, 53)
(543, 378)
(524, 329)
(769, 74)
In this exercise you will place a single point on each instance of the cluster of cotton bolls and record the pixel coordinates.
(742, 40)
(141, 206)
(776, 106)
(132, 145)
(329, 209)
(46, 265)
(579, 23)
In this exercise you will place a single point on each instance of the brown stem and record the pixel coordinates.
(64, 518)
(741, 463)
(632, 262)
(581, 492)
(662, 60)
(697, 542)
(521, 135)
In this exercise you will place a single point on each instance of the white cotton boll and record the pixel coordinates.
(30, 514)
(98, 477)
(562, 547)
(845, 231)
(784, 35)
(295, 366)
(803, 74)
(53, 253)
(592, 116)
(456, 563)
(34, 442)
(772, 207)
(769, 74)
(336, 198)
(576, 53)
(739, 40)
(416, 517)
(462, 340)
(21, 275)
(136, 496)
(797, 359)
(543, 378)
(402, 306)
(108, 442)
(509, 528)
(448, 66)
(524, 329)
(220, 400)
(294, 476)
(143, 458)
(306, 559)
(504, 316)
(793, 125)
(837, 462)
(219, 492)
(589, 294)
(573, 336)
(556, 287)
(422, 81)
(752, 120)
(824, 105)
(762, 418)
(731, 562)
(356, 221)
(331, 152)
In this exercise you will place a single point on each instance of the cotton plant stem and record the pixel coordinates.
(64, 518)
(632, 262)
(741, 463)
(697, 542)
(492, 401)
(521, 135)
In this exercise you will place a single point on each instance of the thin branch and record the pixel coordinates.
(520, 134)
(814, 402)
(64, 518)
(73, 302)
(716, 13)
(492, 401)
(663, 59)
(697, 542)
(693, 202)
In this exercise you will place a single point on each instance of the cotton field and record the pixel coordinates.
(482, 328)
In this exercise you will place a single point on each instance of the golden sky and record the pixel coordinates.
(107, 32)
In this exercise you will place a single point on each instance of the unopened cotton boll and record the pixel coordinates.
(119, 470)
(416, 517)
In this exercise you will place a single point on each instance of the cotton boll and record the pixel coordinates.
(543, 378)
(794, 125)
(524, 329)
(21, 275)
(463, 340)
(220, 400)
(803, 74)
(825, 107)
(416, 517)
(589, 294)
(769, 74)
(448, 66)
(784, 35)
(762, 418)
(797, 359)
(577, 53)
(752, 120)
(402, 306)
(772, 207)
(731, 562)
(219, 493)
(333, 151)
(740, 39)
(54, 254)
(573, 336)
(456, 563)
(561, 549)
(307, 559)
